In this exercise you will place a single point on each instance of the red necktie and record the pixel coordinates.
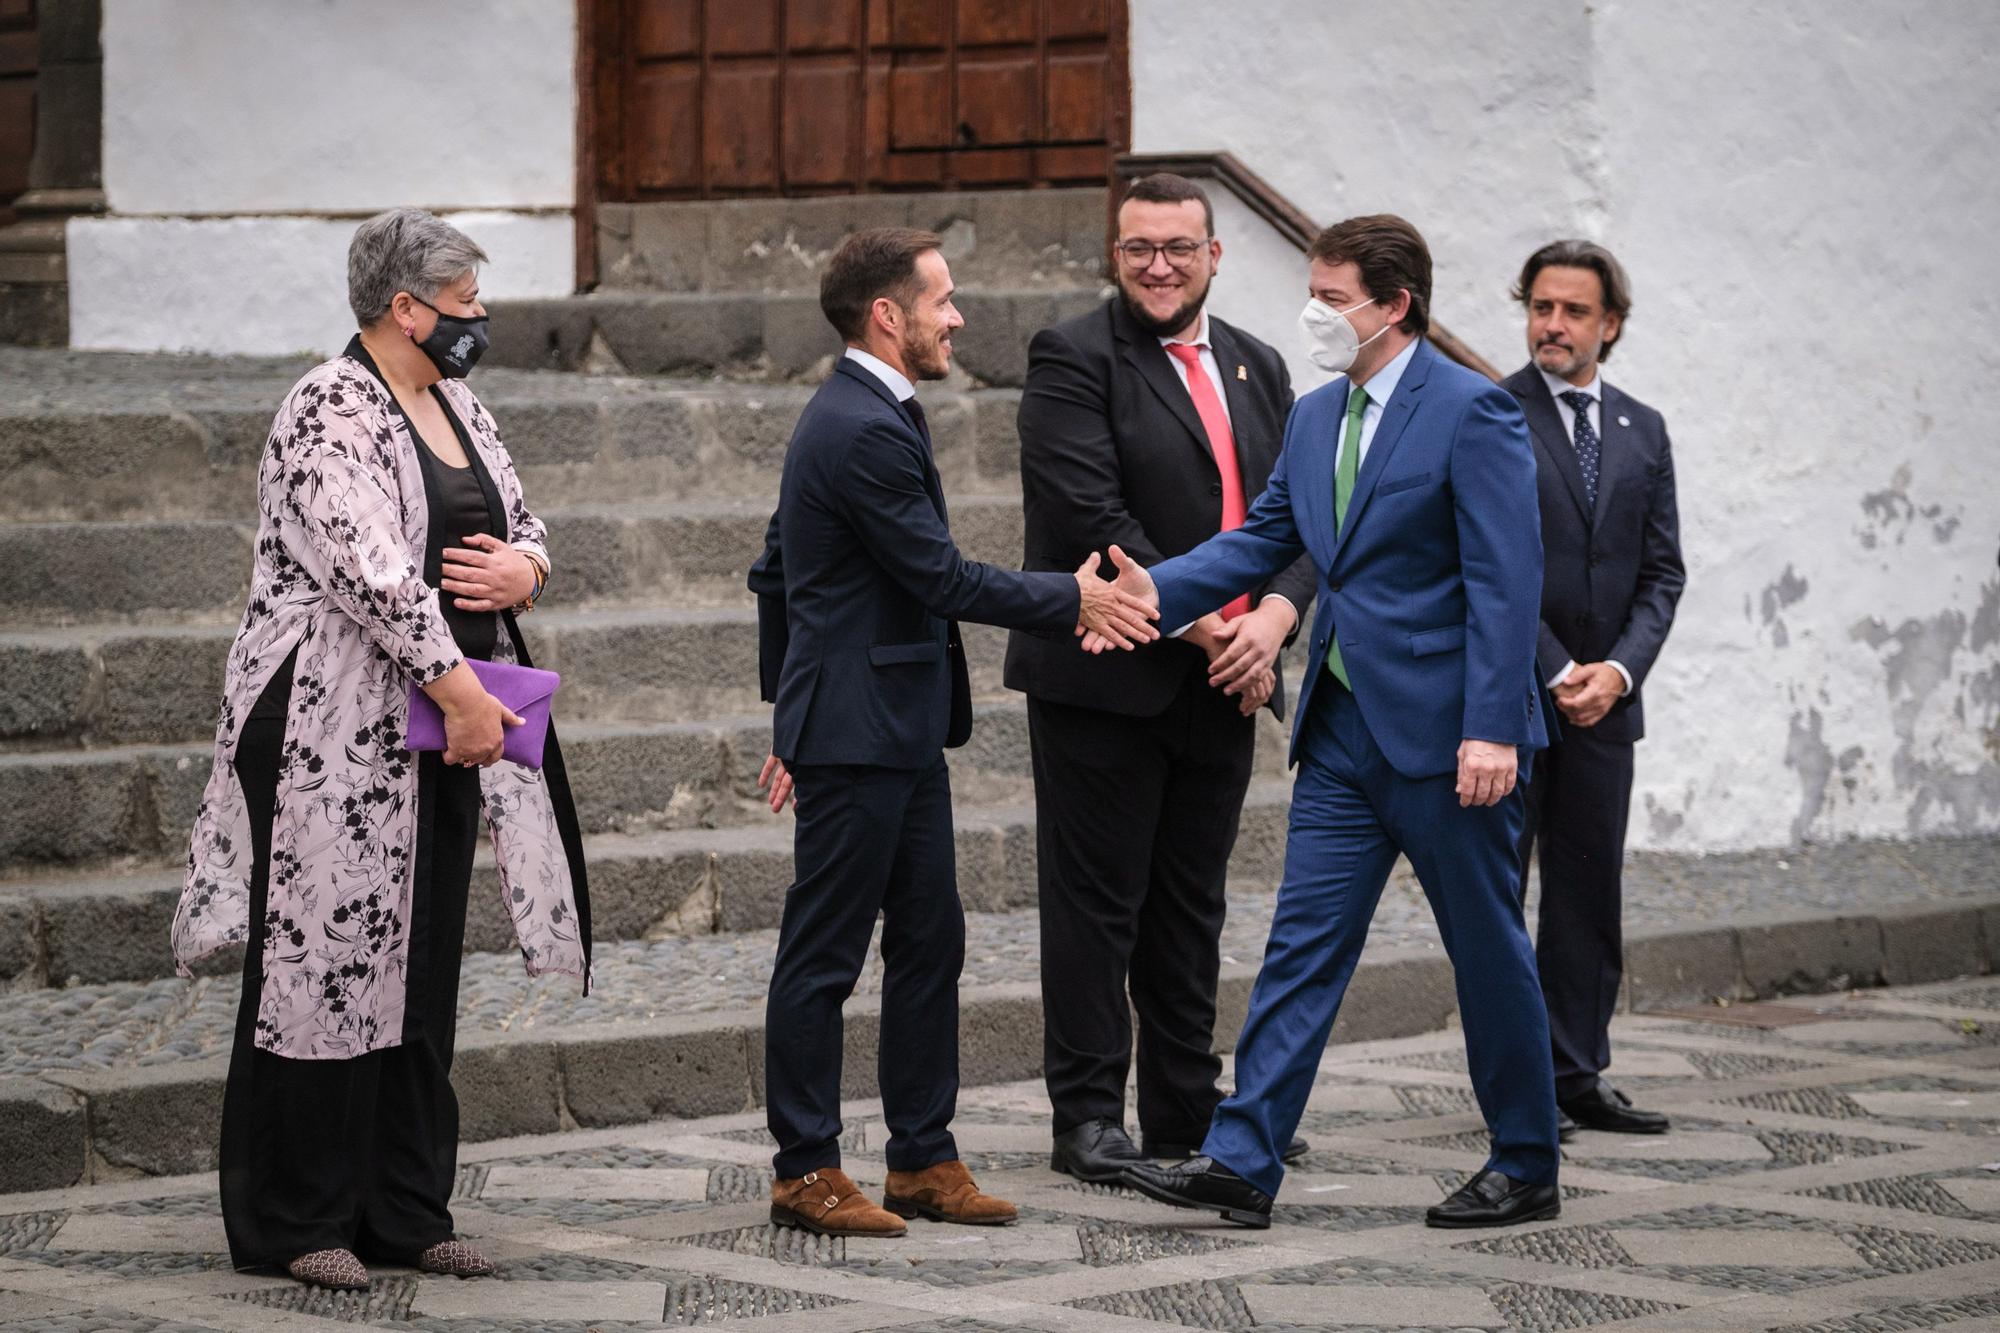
(1221, 443)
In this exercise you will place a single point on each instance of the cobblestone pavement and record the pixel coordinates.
(120, 1025)
(1834, 1165)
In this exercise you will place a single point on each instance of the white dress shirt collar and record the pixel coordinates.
(1200, 338)
(1559, 386)
(899, 383)
(1381, 386)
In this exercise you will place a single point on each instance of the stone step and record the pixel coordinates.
(95, 436)
(759, 336)
(105, 1082)
(1014, 238)
(640, 554)
(135, 804)
(103, 927)
(126, 685)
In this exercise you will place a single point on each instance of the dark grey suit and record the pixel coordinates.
(1611, 576)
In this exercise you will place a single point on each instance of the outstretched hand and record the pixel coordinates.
(1134, 596)
(1119, 614)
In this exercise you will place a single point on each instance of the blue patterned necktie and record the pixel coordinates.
(1589, 449)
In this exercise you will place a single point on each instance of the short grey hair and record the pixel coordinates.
(405, 250)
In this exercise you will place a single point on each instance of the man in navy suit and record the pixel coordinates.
(859, 592)
(1411, 484)
(1611, 532)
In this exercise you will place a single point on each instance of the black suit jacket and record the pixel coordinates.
(860, 587)
(1112, 451)
(1611, 572)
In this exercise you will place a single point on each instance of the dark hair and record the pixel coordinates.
(881, 261)
(1585, 255)
(1392, 257)
(1163, 187)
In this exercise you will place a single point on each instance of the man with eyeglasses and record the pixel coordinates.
(1150, 425)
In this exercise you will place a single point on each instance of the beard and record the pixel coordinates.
(1560, 361)
(924, 354)
(1183, 315)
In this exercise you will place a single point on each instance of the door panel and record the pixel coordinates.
(716, 98)
(20, 58)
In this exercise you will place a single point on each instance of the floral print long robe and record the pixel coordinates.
(339, 574)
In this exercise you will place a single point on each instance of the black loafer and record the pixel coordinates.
(1096, 1150)
(1202, 1182)
(1491, 1199)
(1180, 1152)
(1606, 1108)
(1565, 1127)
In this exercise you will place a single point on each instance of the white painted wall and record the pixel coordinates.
(1801, 192)
(244, 139)
(266, 286)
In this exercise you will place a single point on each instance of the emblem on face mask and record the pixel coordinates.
(461, 347)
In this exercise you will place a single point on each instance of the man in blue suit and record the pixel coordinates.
(859, 593)
(1411, 484)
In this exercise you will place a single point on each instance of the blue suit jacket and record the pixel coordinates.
(1434, 583)
(860, 589)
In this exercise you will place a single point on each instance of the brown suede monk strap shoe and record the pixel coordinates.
(827, 1202)
(946, 1193)
(336, 1270)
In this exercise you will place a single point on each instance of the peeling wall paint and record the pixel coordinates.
(1815, 314)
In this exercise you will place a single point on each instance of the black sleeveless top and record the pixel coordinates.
(460, 502)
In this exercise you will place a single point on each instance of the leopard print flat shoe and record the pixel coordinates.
(454, 1258)
(336, 1270)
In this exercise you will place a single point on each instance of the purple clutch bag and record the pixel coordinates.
(525, 690)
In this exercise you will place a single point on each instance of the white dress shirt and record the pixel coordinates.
(1557, 388)
(1208, 363)
(1207, 358)
(899, 383)
(1380, 386)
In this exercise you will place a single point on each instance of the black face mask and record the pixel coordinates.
(456, 344)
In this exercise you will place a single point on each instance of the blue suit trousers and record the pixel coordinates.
(1351, 814)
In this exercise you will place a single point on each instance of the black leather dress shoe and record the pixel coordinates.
(1491, 1199)
(1179, 1152)
(1565, 1127)
(1202, 1182)
(1606, 1108)
(1096, 1150)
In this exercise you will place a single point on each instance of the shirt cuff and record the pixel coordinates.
(1625, 674)
(1563, 675)
(1280, 597)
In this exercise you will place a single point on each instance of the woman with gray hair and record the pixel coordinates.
(393, 545)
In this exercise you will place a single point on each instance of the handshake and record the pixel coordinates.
(1119, 614)
(1242, 652)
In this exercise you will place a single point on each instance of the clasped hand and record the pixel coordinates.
(1119, 614)
(491, 577)
(1588, 692)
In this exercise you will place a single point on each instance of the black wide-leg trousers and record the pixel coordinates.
(1135, 818)
(360, 1153)
(1577, 809)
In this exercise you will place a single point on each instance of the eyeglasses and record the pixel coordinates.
(1179, 253)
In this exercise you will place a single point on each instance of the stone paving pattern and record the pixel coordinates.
(1835, 1166)
(167, 1021)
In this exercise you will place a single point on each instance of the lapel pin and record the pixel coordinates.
(1624, 421)
(1242, 372)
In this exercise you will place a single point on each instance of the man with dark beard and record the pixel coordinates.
(859, 593)
(1150, 425)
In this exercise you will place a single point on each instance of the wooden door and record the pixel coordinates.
(702, 99)
(18, 62)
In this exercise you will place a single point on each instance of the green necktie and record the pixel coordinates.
(1344, 472)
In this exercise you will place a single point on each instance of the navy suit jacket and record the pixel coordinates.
(1433, 583)
(1614, 571)
(860, 587)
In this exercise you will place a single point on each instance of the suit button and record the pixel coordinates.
(1333, 587)
(1216, 489)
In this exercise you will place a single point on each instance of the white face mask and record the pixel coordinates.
(1331, 341)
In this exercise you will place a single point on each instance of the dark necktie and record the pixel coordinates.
(916, 410)
(1589, 449)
